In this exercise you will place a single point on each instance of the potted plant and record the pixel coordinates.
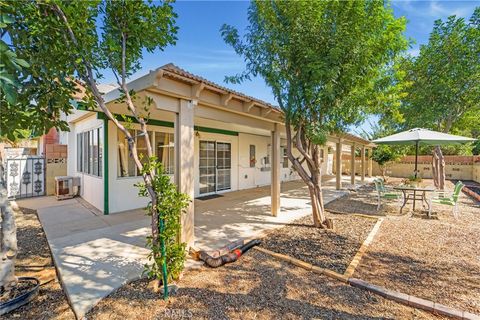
(413, 181)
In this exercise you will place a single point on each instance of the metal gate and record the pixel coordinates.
(25, 176)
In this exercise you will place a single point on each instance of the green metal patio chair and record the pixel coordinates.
(385, 193)
(447, 199)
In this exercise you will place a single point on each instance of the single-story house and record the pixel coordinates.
(209, 138)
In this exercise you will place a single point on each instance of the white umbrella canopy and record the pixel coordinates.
(422, 137)
(419, 136)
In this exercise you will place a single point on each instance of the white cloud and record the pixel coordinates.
(436, 9)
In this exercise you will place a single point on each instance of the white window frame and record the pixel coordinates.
(85, 163)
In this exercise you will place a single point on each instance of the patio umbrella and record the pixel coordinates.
(419, 136)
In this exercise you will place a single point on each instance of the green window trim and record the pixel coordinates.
(168, 124)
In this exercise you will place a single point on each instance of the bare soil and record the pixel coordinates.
(330, 249)
(34, 260)
(255, 287)
(436, 259)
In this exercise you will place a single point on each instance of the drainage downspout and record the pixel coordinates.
(229, 257)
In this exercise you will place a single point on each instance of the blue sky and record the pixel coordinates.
(201, 50)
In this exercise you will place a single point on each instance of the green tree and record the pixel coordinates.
(384, 155)
(69, 40)
(445, 76)
(10, 69)
(323, 60)
(445, 82)
(32, 97)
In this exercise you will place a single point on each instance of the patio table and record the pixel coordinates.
(410, 193)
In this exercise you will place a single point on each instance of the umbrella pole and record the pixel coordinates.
(416, 158)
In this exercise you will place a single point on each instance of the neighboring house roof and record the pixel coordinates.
(106, 87)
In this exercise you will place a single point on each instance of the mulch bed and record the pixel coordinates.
(255, 287)
(34, 259)
(436, 259)
(328, 249)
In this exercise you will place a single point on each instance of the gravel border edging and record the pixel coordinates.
(471, 193)
(363, 248)
(330, 273)
(413, 301)
(304, 265)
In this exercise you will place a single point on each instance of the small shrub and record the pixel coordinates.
(170, 205)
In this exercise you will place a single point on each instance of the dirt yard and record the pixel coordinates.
(255, 287)
(34, 259)
(328, 249)
(436, 259)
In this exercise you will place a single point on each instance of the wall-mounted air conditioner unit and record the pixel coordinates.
(67, 187)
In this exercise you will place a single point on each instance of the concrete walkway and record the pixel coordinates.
(96, 254)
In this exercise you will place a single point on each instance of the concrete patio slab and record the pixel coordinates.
(96, 254)
(246, 214)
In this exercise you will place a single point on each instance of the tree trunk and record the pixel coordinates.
(384, 170)
(8, 244)
(435, 169)
(441, 168)
(313, 178)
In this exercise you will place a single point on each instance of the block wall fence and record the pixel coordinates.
(456, 167)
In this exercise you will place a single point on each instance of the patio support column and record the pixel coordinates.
(363, 164)
(352, 164)
(184, 164)
(275, 192)
(370, 163)
(338, 165)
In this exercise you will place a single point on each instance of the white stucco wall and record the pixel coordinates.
(91, 187)
(123, 194)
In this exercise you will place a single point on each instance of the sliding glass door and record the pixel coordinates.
(224, 165)
(215, 166)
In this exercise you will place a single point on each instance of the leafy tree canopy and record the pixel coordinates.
(57, 70)
(328, 63)
(445, 78)
(322, 59)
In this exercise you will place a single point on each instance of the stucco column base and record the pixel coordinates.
(352, 164)
(275, 193)
(184, 169)
(338, 165)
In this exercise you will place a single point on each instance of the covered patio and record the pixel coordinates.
(247, 213)
(223, 141)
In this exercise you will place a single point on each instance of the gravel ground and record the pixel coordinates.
(362, 201)
(328, 249)
(34, 259)
(436, 259)
(255, 287)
